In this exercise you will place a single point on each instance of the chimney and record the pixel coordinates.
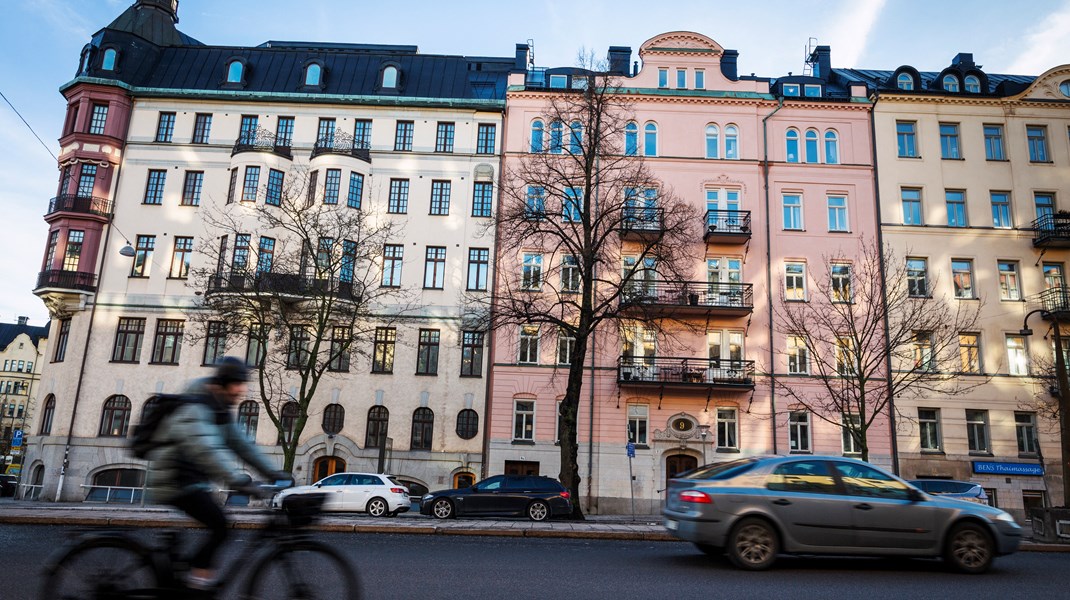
(619, 57)
(168, 7)
(24, 320)
(728, 64)
(963, 60)
(821, 59)
(523, 51)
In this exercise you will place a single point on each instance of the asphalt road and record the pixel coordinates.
(403, 567)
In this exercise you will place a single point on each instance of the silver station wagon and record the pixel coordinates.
(756, 508)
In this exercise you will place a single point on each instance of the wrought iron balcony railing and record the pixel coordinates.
(1052, 231)
(730, 226)
(732, 298)
(284, 284)
(90, 205)
(342, 143)
(685, 371)
(642, 222)
(262, 140)
(1055, 300)
(67, 280)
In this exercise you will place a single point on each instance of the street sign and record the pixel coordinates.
(631, 449)
(16, 439)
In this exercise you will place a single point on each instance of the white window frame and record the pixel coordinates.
(798, 355)
(1010, 287)
(566, 347)
(1017, 355)
(795, 271)
(528, 346)
(639, 414)
(981, 426)
(796, 212)
(524, 420)
(727, 429)
(849, 443)
(799, 432)
(838, 216)
(531, 272)
(924, 421)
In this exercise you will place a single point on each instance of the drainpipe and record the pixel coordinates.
(884, 282)
(590, 348)
(769, 270)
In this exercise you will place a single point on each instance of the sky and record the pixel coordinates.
(40, 42)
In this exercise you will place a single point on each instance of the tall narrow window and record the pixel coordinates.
(731, 142)
(1008, 280)
(87, 178)
(798, 355)
(109, 60)
(799, 431)
(180, 259)
(390, 77)
(1045, 207)
(837, 209)
(727, 429)
(792, 146)
(202, 128)
(570, 274)
(355, 196)
(906, 138)
(440, 198)
(482, 199)
(529, 345)
(398, 200)
(840, 284)
(557, 137)
(713, 141)
(72, 256)
(977, 431)
(472, 354)
(793, 212)
(575, 138)
(332, 184)
(273, 192)
(143, 255)
(572, 205)
(393, 255)
(248, 415)
(235, 72)
(325, 133)
(427, 352)
(167, 345)
(478, 269)
(297, 352)
(1017, 358)
(956, 208)
(845, 356)
(312, 74)
(423, 426)
(970, 353)
(631, 139)
(962, 278)
(638, 423)
(98, 119)
(566, 347)
(362, 133)
(383, 351)
(681, 79)
(1025, 429)
(795, 281)
(215, 342)
(1001, 210)
(240, 261)
(288, 420)
(191, 188)
(832, 148)
(444, 134)
(994, 142)
(378, 424)
(531, 275)
(403, 136)
(650, 139)
(115, 418)
(435, 268)
(485, 138)
(812, 147)
(524, 420)
(924, 359)
(663, 78)
(851, 425)
(700, 79)
(256, 347)
(233, 187)
(911, 201)
(535, 203)
(1037, 138)
(949, 141)
(154, 187)
(165, 127)
(50, 252)
(251, 184)
(247, 130)
(341, 338)
(537, 132)
(284, 132)
(60, 351)
(929, 429)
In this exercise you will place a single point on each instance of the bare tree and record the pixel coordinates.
(584, 201)
(865, 312)
(299, 277)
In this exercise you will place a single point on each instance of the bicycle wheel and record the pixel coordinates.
(107, 568)
(305, 570)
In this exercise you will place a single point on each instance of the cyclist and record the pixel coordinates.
(199, 443)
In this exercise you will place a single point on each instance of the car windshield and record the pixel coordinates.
(725, 470)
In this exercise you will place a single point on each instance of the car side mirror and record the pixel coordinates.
(914, 495)
(319, 485)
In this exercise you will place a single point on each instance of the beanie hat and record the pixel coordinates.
(230, 370)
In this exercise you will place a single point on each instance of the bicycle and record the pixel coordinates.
(286, 563)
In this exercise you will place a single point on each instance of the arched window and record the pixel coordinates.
(973, 84)
(248, 415)
(536, 136)
(87, 52)
(650, 139)
(576, 138)
(47, 414)
(390, 77)
(631, 139)
(792, 142)
(951, 83)
(111, 56)
(557, 137)
(731, 142)
(116, 417)
(289, 415)
(334, 417)
(713, 141)
(467, 424)
(117, 485)
(423, 426)
(148, 407)
(378, 421)
(811, 146)
(832, 147)
(235, 72)
(905, 81)
(313, 73)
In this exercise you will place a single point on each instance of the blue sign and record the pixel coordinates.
(631, 450)
(16, 439)
(1007, 468)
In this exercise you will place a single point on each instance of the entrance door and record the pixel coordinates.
(325, 466)
(678, 463)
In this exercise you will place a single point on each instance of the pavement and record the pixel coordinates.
(619, 527)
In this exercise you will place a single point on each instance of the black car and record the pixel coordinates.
(8, 485)
(538, 498)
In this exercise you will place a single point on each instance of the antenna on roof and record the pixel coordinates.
(808, 60)
(531, 53)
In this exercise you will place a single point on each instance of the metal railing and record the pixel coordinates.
(282, 283)
(1055, 299)
(114, 494)
(30, 491)
(689, 293)
(685, 371)
(68, 280)
(642, 220)
(342, 143)
(90, 205)
(733, 222)
(1052, 229)
(261, 140)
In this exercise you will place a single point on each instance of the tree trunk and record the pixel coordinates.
(568, 433)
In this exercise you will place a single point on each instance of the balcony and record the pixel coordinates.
(86, 205)
(697, 298)
(66, 280)
(702, 373)
(642, 224)
(281, 284)
(262, 140)
(727, 227)
(1052, 231)
(342, 143)
(1056, 303)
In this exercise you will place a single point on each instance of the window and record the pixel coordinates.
(142, 255)
(1017, 358)
(403, 136)
(949, 141)
(570, 274)
(312, 74)
(977, 431)
(180, 258)
(297, 352)
(962, 277)
(792, 143)
(233, 185)
(904, 82)
(994, 142)
(832, 148)
(929, 429)
(557, 137)
(478, 268)
(575, 138)
(341, 338)
(240, 260)
(390, 77)
(537, 144)
(398, 201)
(482, 199)
(812, 147)
(284, 132)
(325, 133)
(950, 83)
(98, 119)
(1025, 429)
(811, 90)
(799, 431)
(524, 420)
(154, 187)
(650, 139)
(906, 138)
(50, 253)
(791, 89)
(1045, 205)
(911, 199)
(444, 137)
(924, 360)
(485, 138)
(798, 355)
(535, 207)
(713, 141)
(793, 212)
(392, 261)
(638, 423)
(440, 198)
(288, 417)
(1008, 280)
(167, 345)
(165, 127)
(700, 80)
(202, 128)
(727, 429)
(631, 139)
(956, 208)
(87, 181)
(235, 71)
(251, 184)
(247, 130)
(467, 424)
(973, 84)
(265, 255)
(60, 352)
(472, 354)
(681, 79)
(837, 207)
(795, 281)
(332, 184)
(845, 358)
(572, 205)
(128, 340)
(47, 413)
(427, 352)
(73, 254)
(356, 190)
(191, 188)
(423, 425)
(970, 353)
(435, 268)
(663, 78)
(531, 279)
(116, 417)
(558, 82)
(529, 345)
(256, 348)
(383, 352)
(851, 424)
(273, 194)
(840, 276)
(1001, 210)
(215, 342)
(1037, 137)
(109, 60)
(1053, 275)
(566, 347)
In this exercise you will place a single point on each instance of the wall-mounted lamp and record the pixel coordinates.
(127, 250)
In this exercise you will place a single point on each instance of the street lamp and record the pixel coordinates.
(1063, 384)
(703, 432)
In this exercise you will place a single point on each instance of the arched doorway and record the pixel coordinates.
(326, 466)
(678, 463)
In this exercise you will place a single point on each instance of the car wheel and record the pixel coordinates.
(377, 507)
(538, 511)
(753, 544)
(710, 549)
(969, 548)
(442, 509)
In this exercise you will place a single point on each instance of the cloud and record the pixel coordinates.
(63, 16)
(851, 30)
(1045, 45)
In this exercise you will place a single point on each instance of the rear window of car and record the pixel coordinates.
(725, 470)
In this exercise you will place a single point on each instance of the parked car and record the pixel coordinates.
(9, 484)
(756, 508)
(963, 490)
(377, 495)
(538, 498)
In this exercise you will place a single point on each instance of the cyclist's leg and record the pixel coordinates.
(200, 506)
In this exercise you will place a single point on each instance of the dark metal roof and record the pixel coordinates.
(152, 21)
(10, 331)
(998, 84)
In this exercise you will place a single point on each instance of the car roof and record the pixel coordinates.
(942, 479)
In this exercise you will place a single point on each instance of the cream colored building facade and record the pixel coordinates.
(22, 350)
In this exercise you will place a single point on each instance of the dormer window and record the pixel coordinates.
(558, 82)
(973, 84)
(791, 89)
(390, 77)
(812, 91)
(951, 83)
(1064, 87)
(235, 72)
(313, 74)
(904, 82)
(111, 57)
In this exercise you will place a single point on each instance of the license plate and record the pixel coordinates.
(671, 525)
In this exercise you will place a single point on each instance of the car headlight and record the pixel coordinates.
(1005, 517)
(427, 497)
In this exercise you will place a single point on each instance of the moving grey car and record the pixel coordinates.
(756, 508)
(962, 490)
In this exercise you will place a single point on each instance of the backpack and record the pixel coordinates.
(159, 408)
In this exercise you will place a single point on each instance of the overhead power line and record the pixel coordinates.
(47, 149)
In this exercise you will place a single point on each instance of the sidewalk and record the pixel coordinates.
(612, 527)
